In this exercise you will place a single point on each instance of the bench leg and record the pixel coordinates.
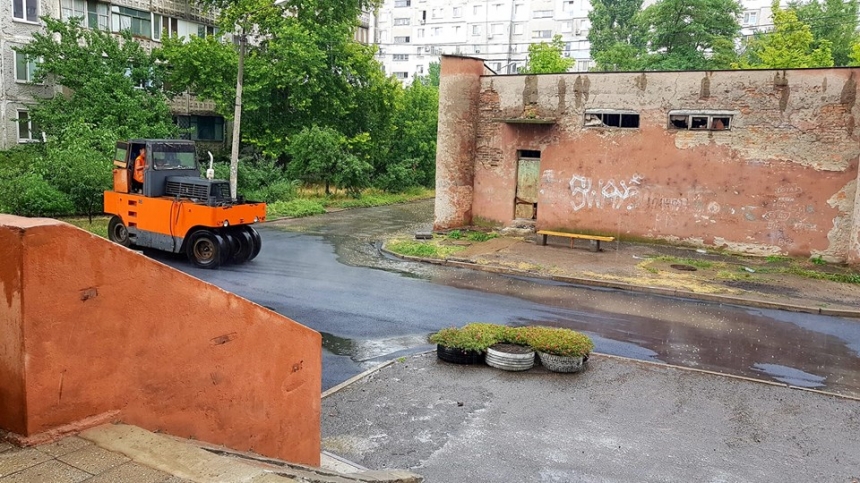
(543, 240)
(595, 245)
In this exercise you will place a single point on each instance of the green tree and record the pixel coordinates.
(690, 34)
(790, 45)
(324, 155)
(413, 148)
(854, 59)
(111, 83)
(615, 39)
(434, 71)
(834, 21)
(547, 58)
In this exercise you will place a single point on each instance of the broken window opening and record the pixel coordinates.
(526, 153)
(701, 121)
(599, 118)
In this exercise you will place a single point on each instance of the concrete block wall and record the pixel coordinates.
(782, 180)
(91, 331)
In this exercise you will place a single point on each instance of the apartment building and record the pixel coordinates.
(149, 22)
(413, 33)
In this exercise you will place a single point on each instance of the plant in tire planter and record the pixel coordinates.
(466, 345)
(560, 350)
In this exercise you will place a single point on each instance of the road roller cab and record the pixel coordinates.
(175, 209)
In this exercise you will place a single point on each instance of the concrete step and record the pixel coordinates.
(202, 463)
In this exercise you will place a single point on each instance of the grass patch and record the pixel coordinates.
(97, 227)
(296, 208)
(480, 236)
(814, 274)
(777, 259)
(424, 249)
(700, 264)
(369, 197)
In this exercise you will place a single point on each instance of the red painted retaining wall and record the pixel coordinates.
(88, 328)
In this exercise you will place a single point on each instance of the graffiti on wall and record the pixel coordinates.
(609, 193)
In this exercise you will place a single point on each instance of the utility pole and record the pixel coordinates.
(237, 119)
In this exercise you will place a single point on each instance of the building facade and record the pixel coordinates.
(413, 33)
(759, 162)
(149, 22)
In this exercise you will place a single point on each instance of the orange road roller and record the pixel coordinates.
(160, 200)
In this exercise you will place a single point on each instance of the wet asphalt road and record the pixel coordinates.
(326, 272)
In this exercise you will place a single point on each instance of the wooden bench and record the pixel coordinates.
(595, 239)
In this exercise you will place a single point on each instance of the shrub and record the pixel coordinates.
(455, 234)
(28, 194)
(475, 337)
(295, 208)
(556, 341)
(480, 236)
(398, 176)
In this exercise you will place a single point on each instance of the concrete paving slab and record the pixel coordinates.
(93, 459)
(620, 421)
(131, 473)
(5, 446)
(19, 459)
(171, 456)
(64, 446)
(51, 471)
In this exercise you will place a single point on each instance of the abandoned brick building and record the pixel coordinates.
(759, 162)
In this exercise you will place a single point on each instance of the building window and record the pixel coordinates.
(542, 14)
(458, 12)
(401, 21)
(72, 8)
(611, 118)
(436, 32)
(518, 29)
(437, 13)
(25, 68)
(476, 10)
(476, 30)
(419, 69)
(457, 30)
(201, 128)
(27, 131)
(205, 30)
(401, 57)
(566, 26)
(518, 10)
(402, 3)
(750, 18)
(569, 5)
(136, 21)
(701, 120)
(26, 10)
(497, 28)
(420, 33)
(401, 75)
(97, 15)
(542, 34)
(401, 40)
(497, 8)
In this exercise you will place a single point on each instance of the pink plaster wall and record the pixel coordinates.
(106, 329)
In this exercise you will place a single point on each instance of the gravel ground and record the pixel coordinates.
(620, 421)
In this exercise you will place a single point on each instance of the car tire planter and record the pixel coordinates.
(509, 357)
(458, 356)
(556, 363)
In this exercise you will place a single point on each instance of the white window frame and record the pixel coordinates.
(420, 33)
(402, 21)
(599, 114)
(400, 57)
(476, 10)
(569, 6)
(18, 124)
(457, 12)
(401, 75)
(456, 30)
(25, 17)
(519, 29)
(542, 14)
(402, 39)
(748, 15)
(436, 32)
(541, 34)
(497, 29)
(30, 68)
(567, 26)
(476, 30)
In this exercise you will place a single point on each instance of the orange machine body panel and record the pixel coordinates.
(168, 216)
(121, 180)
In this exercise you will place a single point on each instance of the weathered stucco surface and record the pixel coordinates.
(89, 328)
(781, 180)
(458, 112)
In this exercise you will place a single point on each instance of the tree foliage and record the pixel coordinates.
(831, 21)
(547, 58)
(111, 83)
(615, 38)
(323, 155)
(790, 45)
(690, 34)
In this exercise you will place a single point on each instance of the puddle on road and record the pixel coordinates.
(364, 350)
(790, 375)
